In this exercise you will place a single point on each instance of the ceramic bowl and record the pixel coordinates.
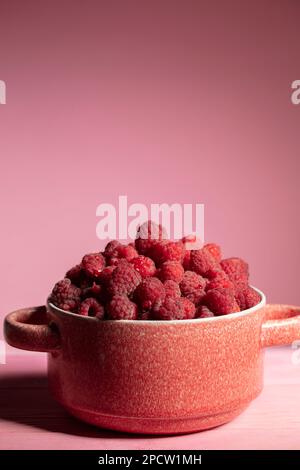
(158, 377)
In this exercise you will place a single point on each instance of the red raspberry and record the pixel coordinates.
(172, 289)
(127, 252)
(149, 293)
(241, 285)
(104, 280)
(90, 307)
(78, 277)
(166, 251)
(111, 247)
(189, 308)
(221, 301)
(65, 295)
(236, 269)
(204, 312)
(171, 271)
(196, 297)
(217, 273)
(121, 308)
(94, 291)
(247, 297)
(186, 260)
(192, 242)
(191, 283)
(124, 279)
(219, 280)
(220, 284)
(145, 316)
(189, 239)
(172, 309)
(106, 274)
(147, 235)
(144, 265)
(202, 262)
(93, 264)
(214, 250)
(75, 275)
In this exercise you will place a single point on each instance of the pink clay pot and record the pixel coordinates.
(160, 377)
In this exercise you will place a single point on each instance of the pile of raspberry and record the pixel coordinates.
(155, 279)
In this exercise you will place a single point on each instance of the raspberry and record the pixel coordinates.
(144, 265)
(78, 277)
(214, 250)
(166, 251)
(196, 297)
(149, 293)
(127, 252)
(191, 283)
(236, 269)
(147, 235)
(202, 262)
(145, 316)
(186, 260)
(94, 291)
(189, 239)
(104, 280)
(172, 309)
(171, 271)
(221, 301)
(92, 264)
(111, 247)
(192, 287)
(124, 279)
(220, 284)
(219, 280)
(189, 308)
(192, 242)
(121, 308)
(65, 295)
(247, 297)
(217, 273)
(75, 275)
(204, 312)
(106, 274)
(90, 307)
(172, 289)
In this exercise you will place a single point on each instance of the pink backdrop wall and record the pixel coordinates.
(165, 101)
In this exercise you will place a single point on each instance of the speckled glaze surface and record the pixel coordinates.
(154, 376)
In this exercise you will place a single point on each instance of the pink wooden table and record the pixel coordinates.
(30, 419)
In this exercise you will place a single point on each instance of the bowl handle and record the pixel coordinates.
(29, 329)
(281, 325)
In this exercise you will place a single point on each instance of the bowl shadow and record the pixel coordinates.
(25, 399)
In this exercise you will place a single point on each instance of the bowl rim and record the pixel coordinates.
(229, 316)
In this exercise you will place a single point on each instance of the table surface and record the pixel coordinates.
(30, 419)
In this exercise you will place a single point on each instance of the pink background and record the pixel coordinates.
(165, 101)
